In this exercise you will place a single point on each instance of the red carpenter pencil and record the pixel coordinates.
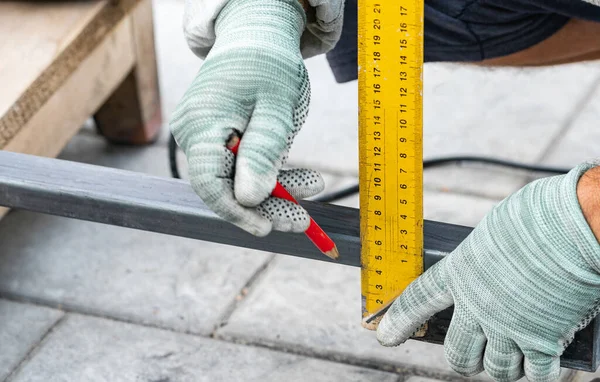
(313, 232)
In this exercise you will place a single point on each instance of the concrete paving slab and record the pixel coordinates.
(92, 349)
(455, 208)
(134, 275)
(307, 306)
(474, 179)
(335, 183)
(22, 327)
(505, 113)
(138, 276)
(93, 149)
(579, 143)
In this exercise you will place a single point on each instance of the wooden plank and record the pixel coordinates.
(38, 33)
(83, 90)
(79, 96)
(49, 41)
(170, 206)
(133, 113)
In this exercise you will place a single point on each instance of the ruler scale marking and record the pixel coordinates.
(390, 133)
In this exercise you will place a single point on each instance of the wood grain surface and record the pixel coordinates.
(43, 44)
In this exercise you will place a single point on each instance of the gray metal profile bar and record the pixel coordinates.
(170, 206)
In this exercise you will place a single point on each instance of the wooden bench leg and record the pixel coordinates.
(132, 114)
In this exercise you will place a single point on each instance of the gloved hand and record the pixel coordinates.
(253, 81)
(523, 282)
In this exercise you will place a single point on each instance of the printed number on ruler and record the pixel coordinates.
(390, 132)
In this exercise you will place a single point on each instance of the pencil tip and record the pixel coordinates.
(333, 253)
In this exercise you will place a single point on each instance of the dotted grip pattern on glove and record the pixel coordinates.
(524, 281)
(254, 82)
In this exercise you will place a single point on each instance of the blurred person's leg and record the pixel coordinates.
(578, 40)
(491, 32)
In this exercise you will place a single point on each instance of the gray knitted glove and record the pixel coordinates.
(524, 281)
(254, 82)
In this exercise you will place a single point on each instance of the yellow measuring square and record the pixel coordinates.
(390, 35)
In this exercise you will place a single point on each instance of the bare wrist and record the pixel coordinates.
(309, 10)
(588, 196)
(305, 4)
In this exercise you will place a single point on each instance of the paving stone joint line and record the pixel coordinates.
(252, 281)
(337, 358)
(405, 371)
(35, 347)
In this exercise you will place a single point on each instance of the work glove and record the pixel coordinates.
(522, 283)
(322, 32)
(253, 82)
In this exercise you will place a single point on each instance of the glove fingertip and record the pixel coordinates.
(302, 183)
(285, 215)
(387, 335)
(250, 192)
(300, 221)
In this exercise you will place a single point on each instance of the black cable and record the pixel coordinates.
(427, 163)
(498, 162)
(337, 195)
